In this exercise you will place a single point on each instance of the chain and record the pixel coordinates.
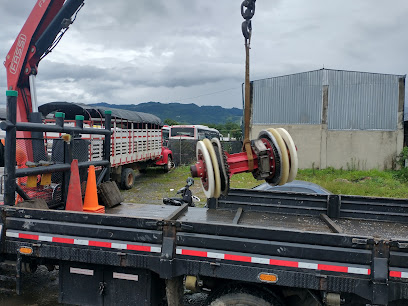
(247, 12)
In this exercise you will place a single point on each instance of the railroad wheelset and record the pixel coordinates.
(274, 156)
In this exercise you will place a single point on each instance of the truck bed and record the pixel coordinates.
(379, 229)
(204, 215)
(238, 237)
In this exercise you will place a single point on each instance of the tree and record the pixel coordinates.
(169, 121)
(232, 128)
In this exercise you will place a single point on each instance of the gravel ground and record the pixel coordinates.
(152, 187)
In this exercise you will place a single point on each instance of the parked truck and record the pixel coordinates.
(137, 140)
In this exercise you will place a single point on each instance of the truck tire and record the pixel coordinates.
(241, 299)
(243, 296)
(127, 178)
(169, 164)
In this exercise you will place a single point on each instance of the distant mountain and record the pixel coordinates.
(183, 113)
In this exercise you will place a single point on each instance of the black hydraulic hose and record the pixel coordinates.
(57, 24)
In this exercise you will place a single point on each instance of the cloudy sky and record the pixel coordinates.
(191, 51)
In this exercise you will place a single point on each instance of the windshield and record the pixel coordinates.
(182, 131)
(165, 134)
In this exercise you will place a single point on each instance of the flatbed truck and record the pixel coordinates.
(247, 247)
(274, 247)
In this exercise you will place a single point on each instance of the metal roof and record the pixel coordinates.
(88, 111)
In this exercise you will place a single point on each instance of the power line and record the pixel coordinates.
(208, 94)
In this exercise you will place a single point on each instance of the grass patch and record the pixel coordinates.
(152, 187)
(373, 183)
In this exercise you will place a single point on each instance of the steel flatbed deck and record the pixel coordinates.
(245, 234)
(308, 223)
(369, 228)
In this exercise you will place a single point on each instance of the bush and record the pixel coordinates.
(402, 157)
(402, 175)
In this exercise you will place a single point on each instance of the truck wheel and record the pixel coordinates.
(244, 296)
(127, 178)
(244, 299)
(168, 166)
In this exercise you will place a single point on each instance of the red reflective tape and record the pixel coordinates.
(135, 247)
(369, 272)
(27, 236)
(194, 253)
(283, 263)
(237, 258)
(63, 240)
(100, 244)
(332, 268)
(395, 274)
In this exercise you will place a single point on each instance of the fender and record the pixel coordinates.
(164, 157)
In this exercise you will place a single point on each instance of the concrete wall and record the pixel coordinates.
(322, 148)
(307, 139)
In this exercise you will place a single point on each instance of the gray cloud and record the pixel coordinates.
(136, 51)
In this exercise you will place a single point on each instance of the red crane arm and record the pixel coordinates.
(21, 59)
(47, 19)
(19, 55)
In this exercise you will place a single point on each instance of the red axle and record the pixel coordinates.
(238, 162)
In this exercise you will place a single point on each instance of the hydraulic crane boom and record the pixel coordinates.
(43, 29)
(45, 26)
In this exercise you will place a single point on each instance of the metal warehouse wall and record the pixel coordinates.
(356, 101)
(340, 119)
(292, 99)
(362, 101)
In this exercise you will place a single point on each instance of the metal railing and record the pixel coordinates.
(11, 126)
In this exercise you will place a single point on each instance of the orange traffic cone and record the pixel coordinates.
(91, 194)
(74, 198)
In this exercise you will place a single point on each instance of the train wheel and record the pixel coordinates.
(217, 177)
(293, 161)
(285, 156)
(207, 180)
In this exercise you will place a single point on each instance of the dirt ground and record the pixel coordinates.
(153, 186)
(39, 288)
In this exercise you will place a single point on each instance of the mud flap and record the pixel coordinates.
(174, 291)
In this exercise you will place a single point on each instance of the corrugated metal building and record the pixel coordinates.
(337, 118)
